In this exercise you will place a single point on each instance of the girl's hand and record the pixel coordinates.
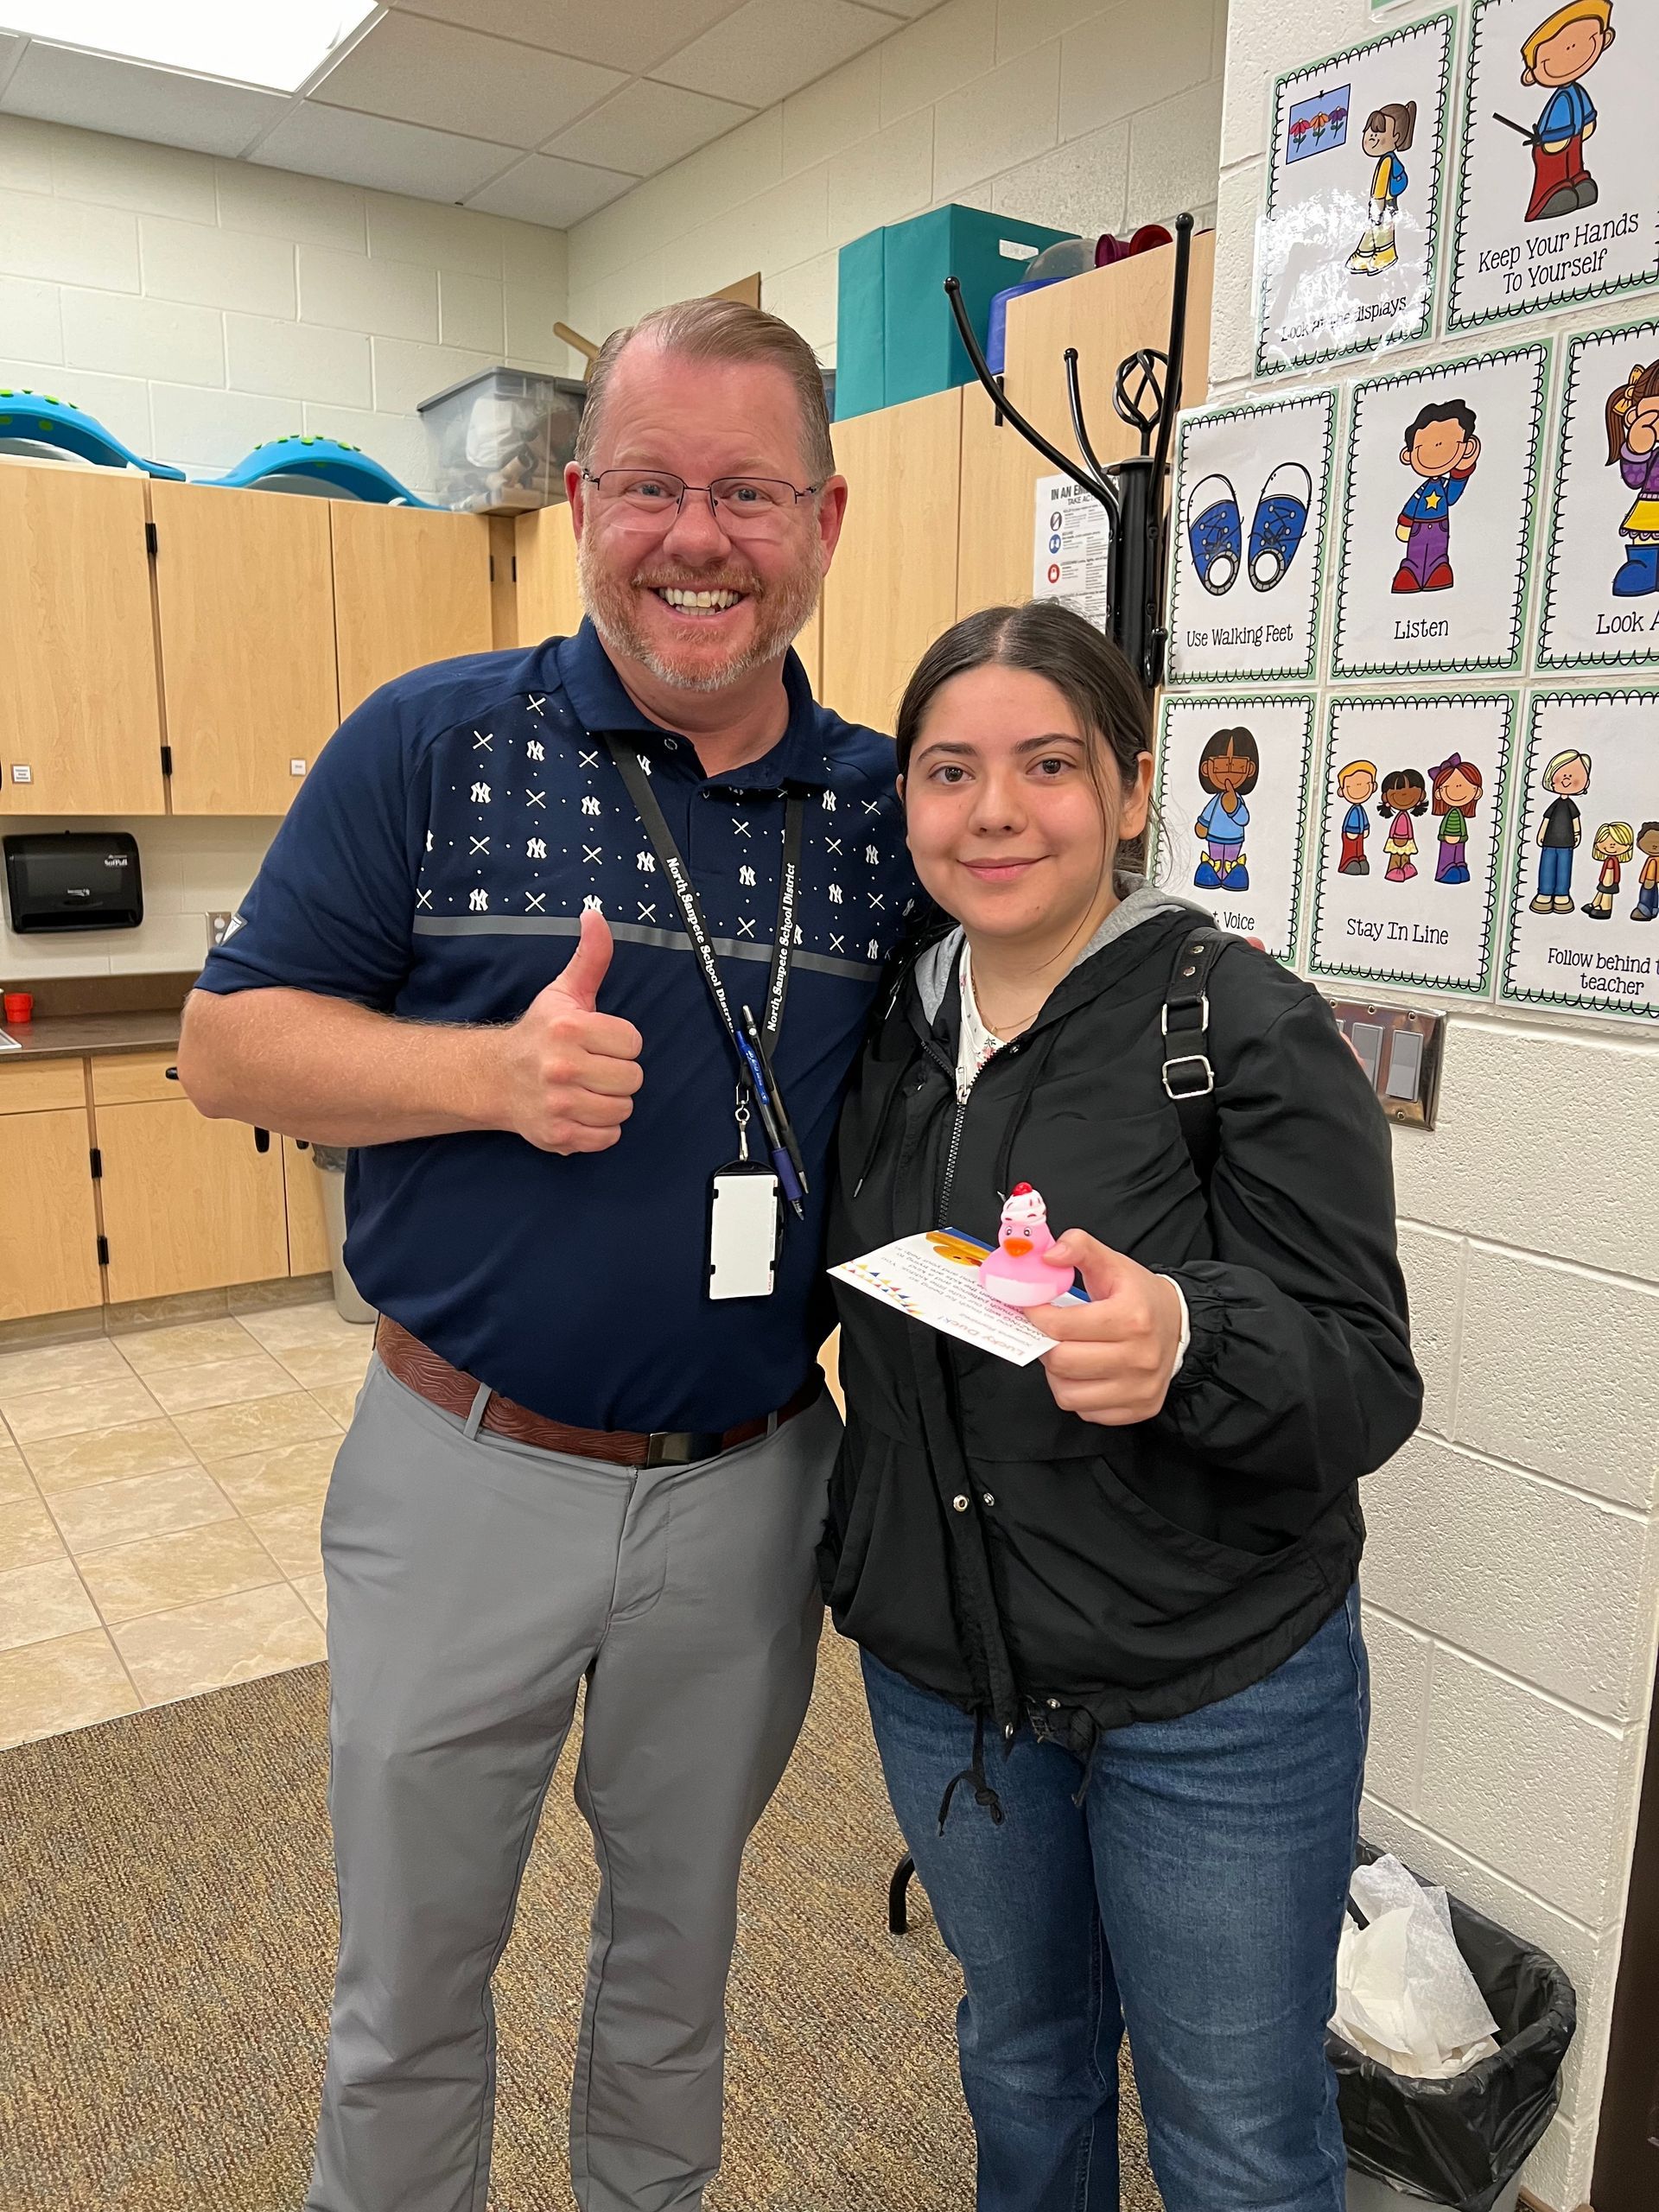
(1112, 1358)
(1641, 432)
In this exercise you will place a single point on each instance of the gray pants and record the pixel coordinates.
(472, 1583)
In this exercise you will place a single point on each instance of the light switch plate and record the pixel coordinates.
(1399, 1047)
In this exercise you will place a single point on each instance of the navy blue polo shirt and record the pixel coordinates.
(434, 865)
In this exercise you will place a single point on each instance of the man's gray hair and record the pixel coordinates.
(719, 330)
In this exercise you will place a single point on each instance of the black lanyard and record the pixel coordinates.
(631, 767)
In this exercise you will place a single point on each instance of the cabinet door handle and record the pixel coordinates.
(172, 1074)
(262, 1140)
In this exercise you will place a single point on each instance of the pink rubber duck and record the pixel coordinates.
(1016, 1274)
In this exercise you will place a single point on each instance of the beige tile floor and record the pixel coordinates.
(160, 1497)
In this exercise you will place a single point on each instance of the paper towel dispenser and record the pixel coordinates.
(76, 880)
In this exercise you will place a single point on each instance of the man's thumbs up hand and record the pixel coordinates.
(1112, 1358)
(589, 964)
(571, 1071)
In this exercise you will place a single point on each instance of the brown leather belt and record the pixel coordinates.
(431, 1377)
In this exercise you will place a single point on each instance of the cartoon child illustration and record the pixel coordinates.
(1404, 793)
(1567, 776)
(1633, 442)
(1559, 55)
(1356, 784)
(1442, 448)
(1646, 908)
(1615, 842)
(1457, 785)
(1389, 133)
(1228, 768)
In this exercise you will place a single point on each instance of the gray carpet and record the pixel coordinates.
(166, 1932)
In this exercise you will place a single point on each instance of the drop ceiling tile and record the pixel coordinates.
(646, 127)
(95, 91)
(448, 79)
(629, 35)
(771, 47)
(388, 156)
(543, 190)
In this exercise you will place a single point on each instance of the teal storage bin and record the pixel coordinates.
(895, 337)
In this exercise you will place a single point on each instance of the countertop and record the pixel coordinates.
(67, 1036)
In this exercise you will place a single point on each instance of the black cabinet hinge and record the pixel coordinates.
(167, 759)
(492, 568)
(152, 543)
(98, 1164)
(515, 568)
(102, 1251)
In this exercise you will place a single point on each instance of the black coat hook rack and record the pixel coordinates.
(1147, 395)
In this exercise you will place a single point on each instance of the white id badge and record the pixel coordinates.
(744, 1222)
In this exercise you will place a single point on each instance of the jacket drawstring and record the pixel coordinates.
(984, 1793)
(874, 1152)
(1035, 1063)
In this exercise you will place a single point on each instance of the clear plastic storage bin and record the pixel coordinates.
(500, 439)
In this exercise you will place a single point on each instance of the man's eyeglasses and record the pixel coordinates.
(744, 507)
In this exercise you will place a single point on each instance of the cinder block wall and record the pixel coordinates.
(1512, 1579)
(196, 306)
(1065, 112)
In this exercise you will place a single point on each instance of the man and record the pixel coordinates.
(577, 1455)
(1559, 55)
(1440, 448)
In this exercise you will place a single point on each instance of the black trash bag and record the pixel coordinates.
(1463, 2141)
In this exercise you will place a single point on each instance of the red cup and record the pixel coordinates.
(20, 1007)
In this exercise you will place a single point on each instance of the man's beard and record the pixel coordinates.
(782, 610)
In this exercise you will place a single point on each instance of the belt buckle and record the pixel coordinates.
(674, 1447)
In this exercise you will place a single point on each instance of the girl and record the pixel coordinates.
(1404, 793)
(1389, 133)
(1633, 442)
(1107, 1602)
(1457, 785)
(1229, 768)
(1615, 842)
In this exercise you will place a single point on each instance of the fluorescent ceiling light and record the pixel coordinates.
(278, 45)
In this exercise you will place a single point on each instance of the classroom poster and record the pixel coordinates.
(1432, 559)
(1346, 250)
(1408, 881)
(1070, 548)
(1557, 198)
(1231, 797)
(1583, 932)
(1252, 489)
(1601, 593)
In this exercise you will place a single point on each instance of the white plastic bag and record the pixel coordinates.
(1404, 1995)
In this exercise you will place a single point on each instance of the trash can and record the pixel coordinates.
(1461, 2143)
(331, 1165)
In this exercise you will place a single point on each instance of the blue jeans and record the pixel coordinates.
(1555, 872)
(1197, 1895)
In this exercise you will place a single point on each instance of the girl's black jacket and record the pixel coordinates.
(1023, 1562)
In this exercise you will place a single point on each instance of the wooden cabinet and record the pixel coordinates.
(307, 1232)
(246, 600)
(188, 1204)
(79, 711)
(549, 600)
(893, 587)
(410, 588)
(49, 1223)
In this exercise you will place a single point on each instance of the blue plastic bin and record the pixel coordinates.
(895, 338)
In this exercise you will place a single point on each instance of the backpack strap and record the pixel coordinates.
(1189, 1075)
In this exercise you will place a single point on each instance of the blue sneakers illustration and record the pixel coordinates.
(1281, 524)
(1215, 529)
